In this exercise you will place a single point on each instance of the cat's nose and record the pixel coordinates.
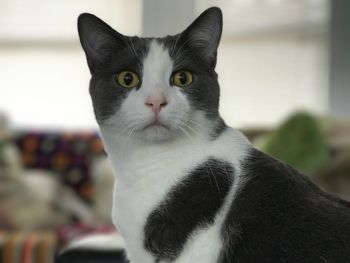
(156, 103)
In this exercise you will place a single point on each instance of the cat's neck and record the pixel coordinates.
(123, 151)
(121, 146)
(139, 157)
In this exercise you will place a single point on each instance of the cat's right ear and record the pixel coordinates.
(204, 34)
(98, 40)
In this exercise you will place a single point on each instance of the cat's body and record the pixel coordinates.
(189, 188)
(156, 171)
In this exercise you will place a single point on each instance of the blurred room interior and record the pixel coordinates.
(284, 71)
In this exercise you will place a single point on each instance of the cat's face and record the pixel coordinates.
(154, 88)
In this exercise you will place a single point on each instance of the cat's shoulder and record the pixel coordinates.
(267, 174)
(277, 209)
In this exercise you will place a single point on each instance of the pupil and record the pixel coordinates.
(128, 78)
(183, 77)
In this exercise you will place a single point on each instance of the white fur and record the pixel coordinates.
(147, 166)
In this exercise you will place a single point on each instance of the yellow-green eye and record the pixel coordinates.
(128, 79)
(182, 78)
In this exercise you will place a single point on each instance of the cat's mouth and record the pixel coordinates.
(155, 124)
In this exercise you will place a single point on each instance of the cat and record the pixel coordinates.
(188, 187)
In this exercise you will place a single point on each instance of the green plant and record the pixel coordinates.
(300, 142)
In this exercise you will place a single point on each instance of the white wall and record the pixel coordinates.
(265, 78)
(43, 73)
(52, 20)
(45, 88)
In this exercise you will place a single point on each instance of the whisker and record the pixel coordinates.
(191, 128)
(184, 131)
(216, 182)
(127, 139)
(174, 46)
(182, 45)
(132, 46)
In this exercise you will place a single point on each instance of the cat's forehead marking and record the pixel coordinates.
(157, 64)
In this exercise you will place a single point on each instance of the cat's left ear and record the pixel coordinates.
(204, 34)
(98, 40)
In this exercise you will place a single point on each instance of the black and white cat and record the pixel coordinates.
(189, 188)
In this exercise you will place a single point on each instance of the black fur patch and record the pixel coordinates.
(190, 205)
(280, 216)
(91, 256)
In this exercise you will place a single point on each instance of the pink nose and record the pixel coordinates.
(156, 103)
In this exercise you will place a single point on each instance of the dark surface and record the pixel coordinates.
(91, 256)
(191, 204)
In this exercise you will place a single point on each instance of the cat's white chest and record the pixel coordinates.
(133, 202)
(144, 179)
(142, 184)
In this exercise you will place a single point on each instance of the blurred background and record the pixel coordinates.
(284, 70)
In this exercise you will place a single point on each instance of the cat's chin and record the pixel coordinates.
(156, 133)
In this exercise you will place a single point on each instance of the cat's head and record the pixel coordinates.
(154, 88)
